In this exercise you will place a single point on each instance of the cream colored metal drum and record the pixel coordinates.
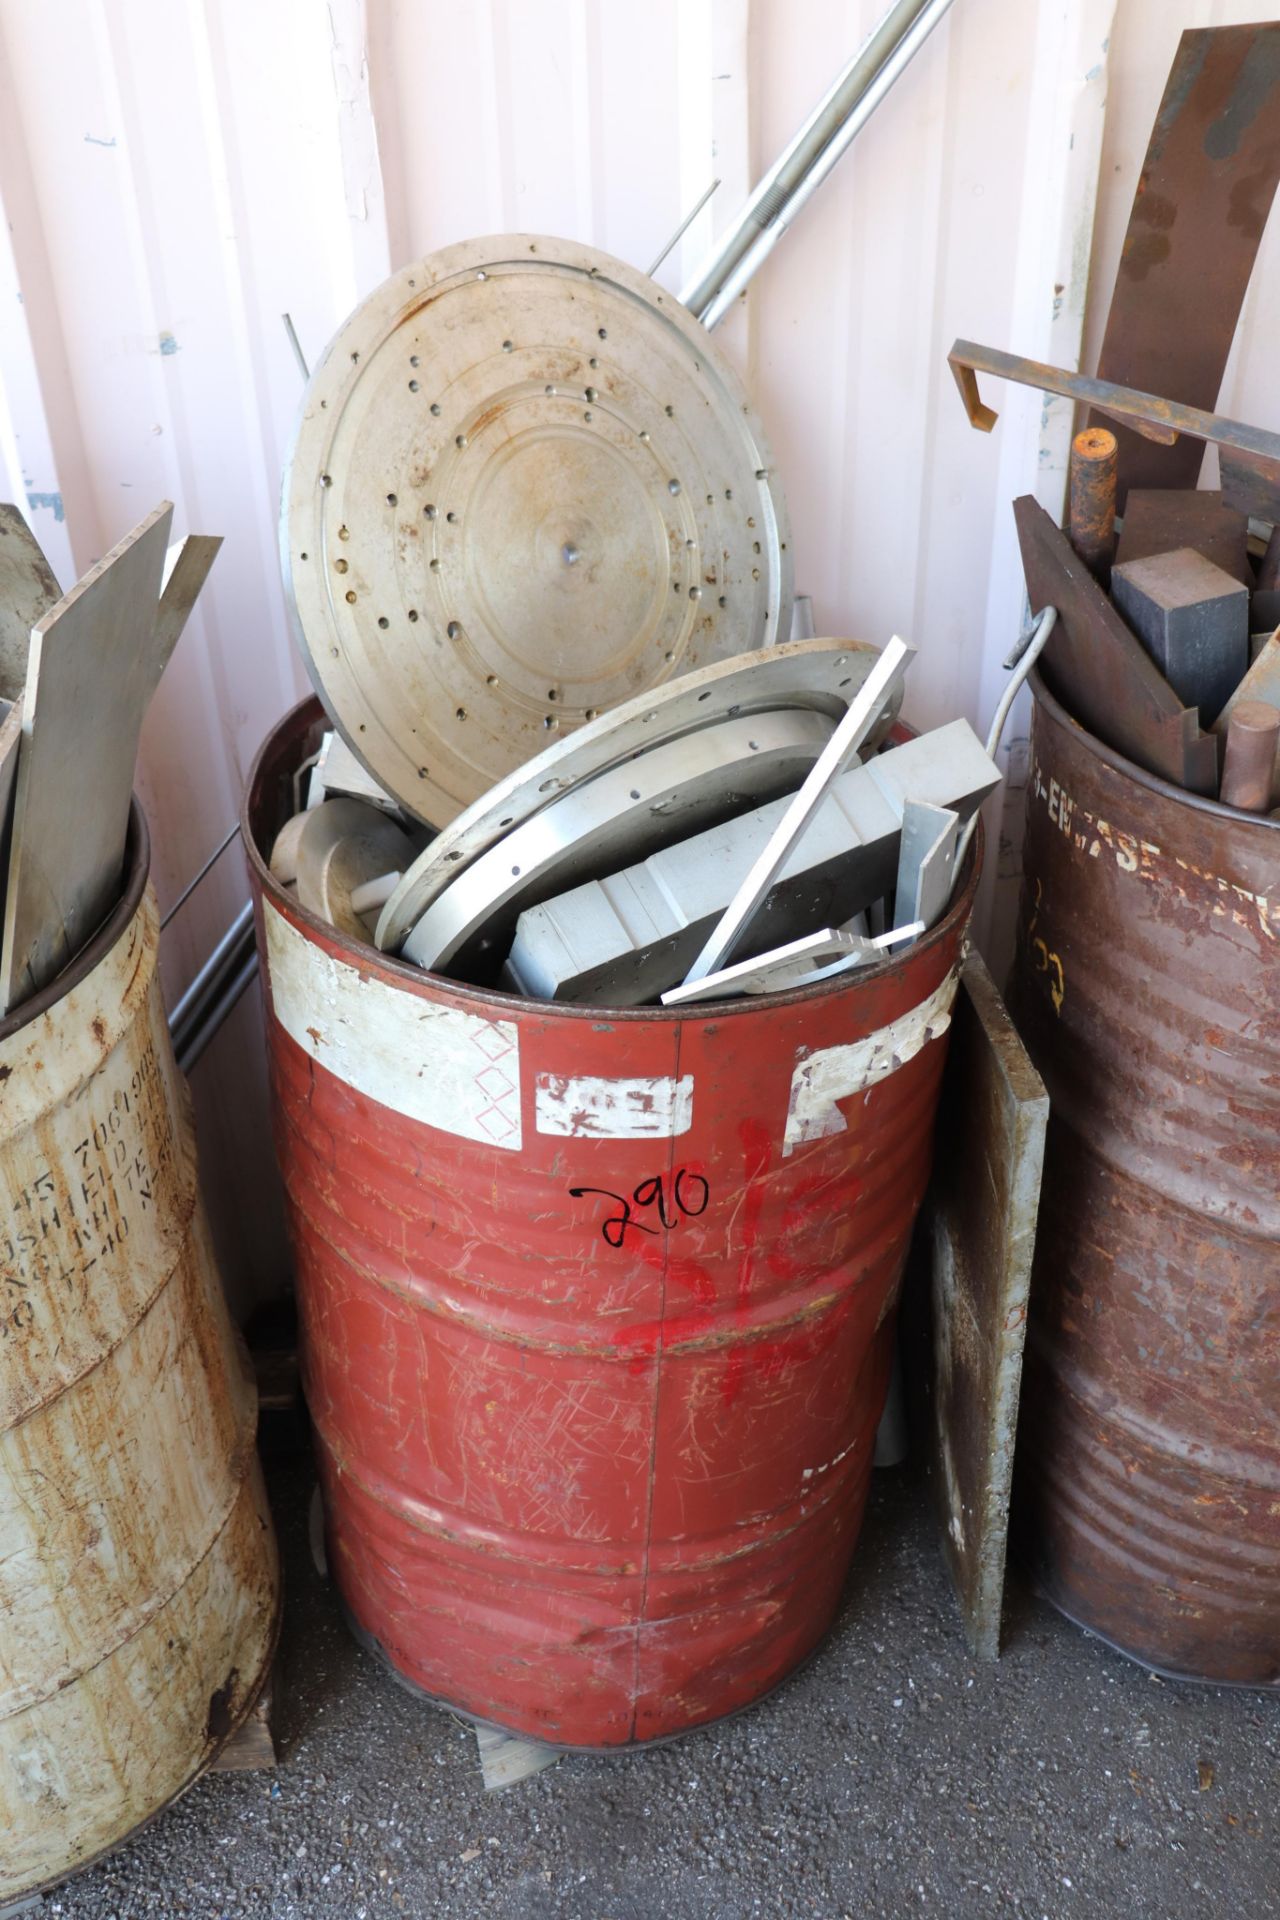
(139, 1584)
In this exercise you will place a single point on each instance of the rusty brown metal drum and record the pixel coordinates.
(1147, 989)
(139, 1585)
(597, 1309)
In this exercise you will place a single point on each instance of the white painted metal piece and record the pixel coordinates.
(93, 665)
(836, 756)
(372, 895)
(797, 964)
(820, 675)
(343, 844)
(675, 789)
(453, 1070)
(524, 487)
(926, 863)
(628, 939)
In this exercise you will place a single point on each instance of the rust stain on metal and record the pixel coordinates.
(136, 1556)
(1093, 499)
(1202, 202)
(1149, 1451)
(595, 1412)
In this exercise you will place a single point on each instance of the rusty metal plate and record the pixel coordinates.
(821, 675)
(980, 1230)
(1161, 519)
(1101, 671)
(1202, 202)
(524, 487)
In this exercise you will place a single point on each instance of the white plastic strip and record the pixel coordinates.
(583, 1106)
(452, 1070)
(832, 1074)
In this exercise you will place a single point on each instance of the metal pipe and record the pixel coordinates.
(805, 164)
(198, 1039)
(204, 986)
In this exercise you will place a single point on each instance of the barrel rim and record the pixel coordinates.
(357, 953)
(137, 866)
(1164, 789)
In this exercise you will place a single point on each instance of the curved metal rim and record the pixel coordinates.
(137, 867)
(368, 959)
(478, 253)
(590, 745)
(1194, 802)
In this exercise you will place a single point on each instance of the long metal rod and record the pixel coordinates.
(805, 164)
(192, 884)
(204, 986)
(198, 1039)
(684, 227)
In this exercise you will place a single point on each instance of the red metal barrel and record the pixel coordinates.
(597, 1309)
(1147, 989)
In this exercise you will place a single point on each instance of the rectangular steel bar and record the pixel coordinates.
(1202, 200)
(1099, 669)
(859, 718)
(1193, 619)
(1150, 415)
(979, 1227)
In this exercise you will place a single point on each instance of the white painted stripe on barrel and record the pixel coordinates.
(452, 1070)
(591, 1107)
(837, 1073)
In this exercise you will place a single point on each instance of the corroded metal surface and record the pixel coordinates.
(138, 1579)
(597, 1309)
(1202, 201)
(980, 1229)
(1147, 990)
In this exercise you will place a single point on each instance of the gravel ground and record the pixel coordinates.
(895, 1776)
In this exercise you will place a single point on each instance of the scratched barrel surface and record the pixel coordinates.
(597, 1309)
(138, 1577)
(1147, 989)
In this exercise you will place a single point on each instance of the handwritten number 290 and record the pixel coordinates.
(672, 1197)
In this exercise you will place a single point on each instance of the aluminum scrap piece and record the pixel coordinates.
(1202, 200)
(629, 938)
(822, 675)
(1252, 483)
(343, 844)
(337, 772)
(840, 751)
(978, 1231)
(524, 487)
(797, 964)
(284, 849)
(1100, 670)
(675, 789)
(926, 863)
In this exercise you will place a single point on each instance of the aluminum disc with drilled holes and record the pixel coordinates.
(822, 675)
(674, 790)
(343, 845)
(524, 487)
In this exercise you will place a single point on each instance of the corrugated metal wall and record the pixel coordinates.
(175, 174)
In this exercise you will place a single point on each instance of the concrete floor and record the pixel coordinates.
(894, 1776)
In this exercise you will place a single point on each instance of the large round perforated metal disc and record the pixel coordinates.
(524, 487)
(822, 675)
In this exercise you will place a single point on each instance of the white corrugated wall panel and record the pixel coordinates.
(175, 174)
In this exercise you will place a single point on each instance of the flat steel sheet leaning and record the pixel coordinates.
(525, 486)
(978, 1227)
(94, 663)
(1100, 670)
(1203, 196)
